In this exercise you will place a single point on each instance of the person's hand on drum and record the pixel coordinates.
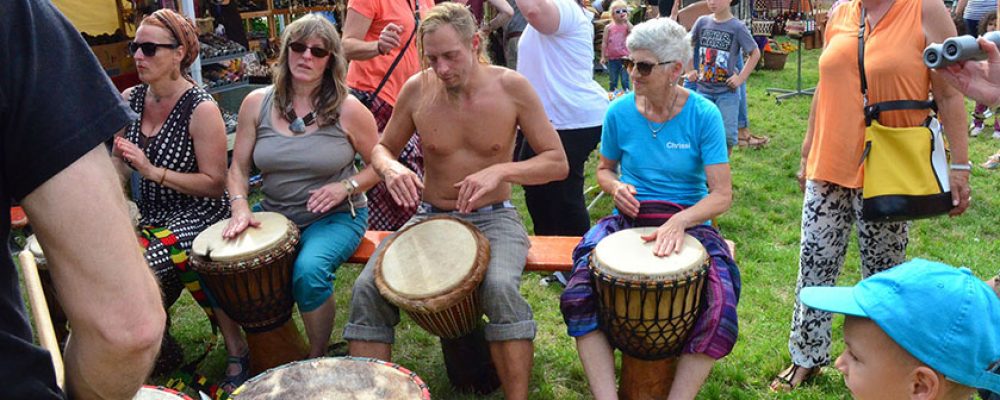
(625, 201)
(669, 237)
(404, 185)
(388, 39)
(472, 189)
(241, 220)
(323, 199)
(133, 155)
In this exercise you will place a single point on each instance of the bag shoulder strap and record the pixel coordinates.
(873, 111)
(399, 57)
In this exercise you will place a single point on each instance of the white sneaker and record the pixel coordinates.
(996, 135)
(974, 130)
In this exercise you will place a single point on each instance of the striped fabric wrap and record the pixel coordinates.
(179, 257)
(717, 328)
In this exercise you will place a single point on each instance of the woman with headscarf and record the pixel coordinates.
(178, 148)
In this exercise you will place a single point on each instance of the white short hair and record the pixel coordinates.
(664, 37)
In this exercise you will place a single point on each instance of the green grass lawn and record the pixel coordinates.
(764, 223)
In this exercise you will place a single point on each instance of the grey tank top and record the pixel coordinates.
(291, 166)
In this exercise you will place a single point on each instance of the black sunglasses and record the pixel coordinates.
(621, 11)
(317, 52)
(643, 68)
(148, 48)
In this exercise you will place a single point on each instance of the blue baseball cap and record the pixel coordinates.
(942, 315)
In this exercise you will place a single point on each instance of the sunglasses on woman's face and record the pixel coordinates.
(317, 52)
(148, 48)
(621, 11)
(642, 67)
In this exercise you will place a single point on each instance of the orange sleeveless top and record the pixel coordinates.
(895, 71)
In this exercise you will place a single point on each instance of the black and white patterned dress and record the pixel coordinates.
(161, 207)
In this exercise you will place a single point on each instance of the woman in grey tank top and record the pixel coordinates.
(303, 134)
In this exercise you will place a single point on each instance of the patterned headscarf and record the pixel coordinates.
(183, 31)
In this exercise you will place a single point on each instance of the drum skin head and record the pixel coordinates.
(273, 228)
(429, 258)
(624, 254)
(335, 378)
(133, 212)
(36, 250)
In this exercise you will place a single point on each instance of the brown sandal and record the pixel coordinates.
(783, 382)
(754, 141)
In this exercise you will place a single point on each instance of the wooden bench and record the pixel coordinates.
(547, 253)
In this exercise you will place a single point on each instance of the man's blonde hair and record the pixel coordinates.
(458, 17)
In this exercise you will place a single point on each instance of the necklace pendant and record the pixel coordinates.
(297, 126)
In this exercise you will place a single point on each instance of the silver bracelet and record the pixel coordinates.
(237, 197)
(961, 167)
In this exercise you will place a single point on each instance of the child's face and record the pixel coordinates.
(717, 5)
(874, 366)
(992, 26)
(619, 14)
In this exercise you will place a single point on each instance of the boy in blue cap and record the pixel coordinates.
(921, 330)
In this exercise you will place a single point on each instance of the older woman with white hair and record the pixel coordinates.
(671, 146)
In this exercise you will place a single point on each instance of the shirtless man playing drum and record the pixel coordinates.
(467, 113)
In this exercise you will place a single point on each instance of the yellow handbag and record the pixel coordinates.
(906, 172)
(905, 169)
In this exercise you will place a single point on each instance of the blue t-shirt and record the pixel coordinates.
(670, 166)
(717, 47)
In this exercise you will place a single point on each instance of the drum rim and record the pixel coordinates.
(674, 275)
(424, 388)
(447, 297)
(164, 389)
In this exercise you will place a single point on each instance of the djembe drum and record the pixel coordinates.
(159, 393)
(251, 279)
(432, 269)
(647, 306)
(336, 378)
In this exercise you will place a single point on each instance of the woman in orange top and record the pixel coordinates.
(375, 33)
(896, 33)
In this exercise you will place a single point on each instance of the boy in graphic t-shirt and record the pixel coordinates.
(719, 41)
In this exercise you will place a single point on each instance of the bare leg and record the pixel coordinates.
(319, 325)
(598, 360)
(236, 345)
(361, 348)
(513, 359)
(692, 369)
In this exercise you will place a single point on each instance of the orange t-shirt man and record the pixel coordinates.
(365, 75)
(895, 70)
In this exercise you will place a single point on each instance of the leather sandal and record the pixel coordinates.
(783, 382)
(754, 141)
(232, 382)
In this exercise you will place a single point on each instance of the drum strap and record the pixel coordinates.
(179, 257)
